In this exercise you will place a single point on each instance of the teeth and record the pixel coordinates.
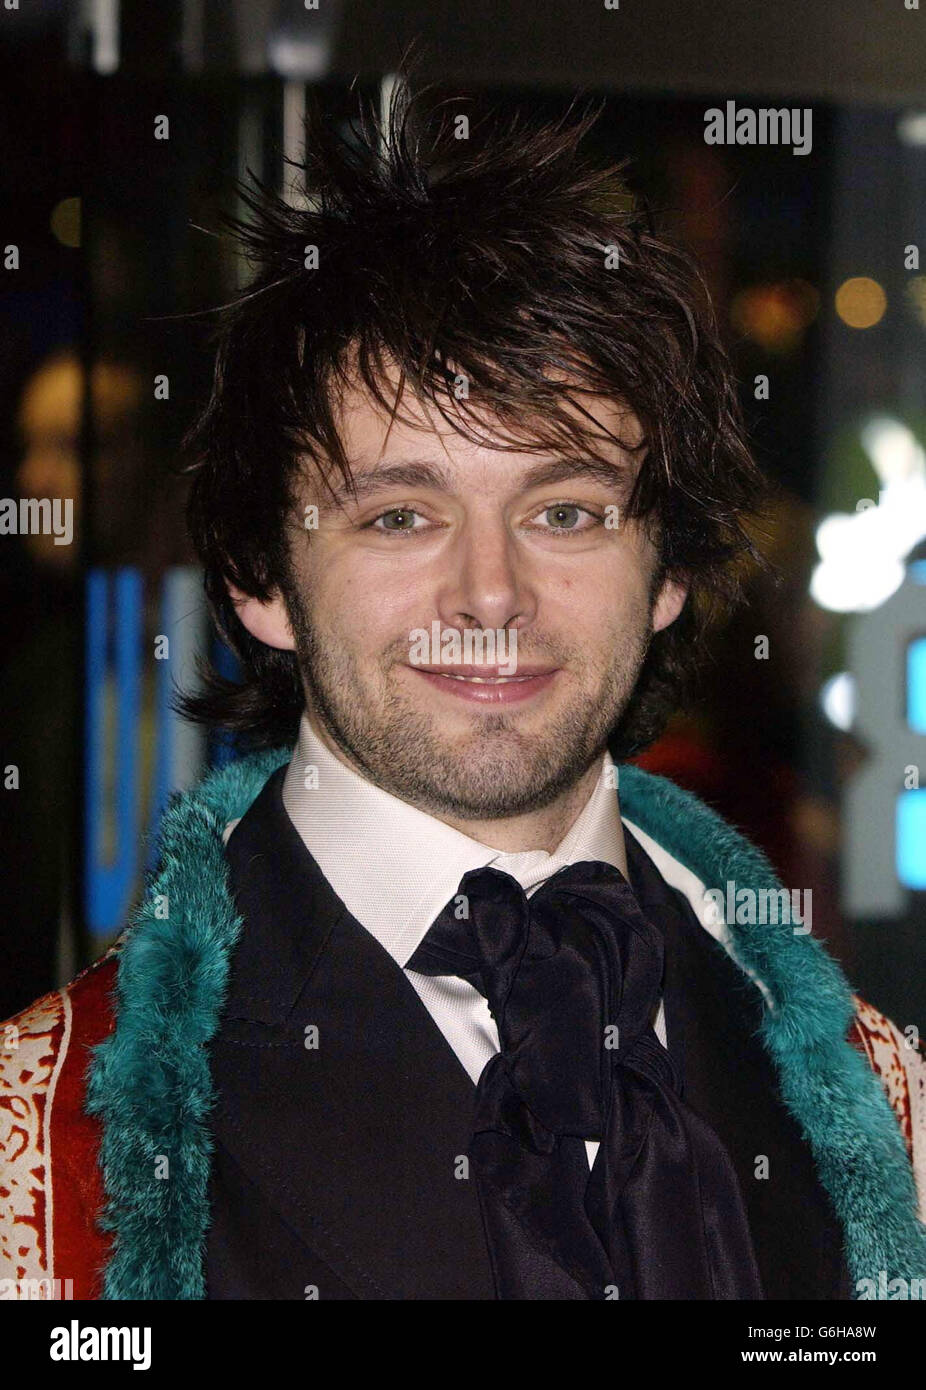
(487, 680)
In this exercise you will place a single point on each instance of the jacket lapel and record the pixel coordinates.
(713, 1015)
(826, 1086)
(357, 1109)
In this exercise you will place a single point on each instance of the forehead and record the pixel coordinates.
(373, 437)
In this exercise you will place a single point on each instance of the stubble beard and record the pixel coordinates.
(496, 771)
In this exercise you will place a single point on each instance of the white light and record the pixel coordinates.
(895, 452)
(854, 588)
(298, 57)
(837, 700)
(862, 553)
(104, 24)
(911, 128)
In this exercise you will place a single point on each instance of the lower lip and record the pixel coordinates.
(511, 692)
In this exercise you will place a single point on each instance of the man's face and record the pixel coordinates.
(472, 538)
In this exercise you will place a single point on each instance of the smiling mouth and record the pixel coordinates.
(487, 684)
(483, 680)
(486, 675)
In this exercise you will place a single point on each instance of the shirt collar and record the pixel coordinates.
(394, 866)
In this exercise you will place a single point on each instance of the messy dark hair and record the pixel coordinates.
(514, 259)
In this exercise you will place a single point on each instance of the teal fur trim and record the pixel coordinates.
(149, 1082)
(826, 1083)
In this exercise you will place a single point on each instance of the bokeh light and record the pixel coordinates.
(65, 221)
(860, 302)
(775, 316)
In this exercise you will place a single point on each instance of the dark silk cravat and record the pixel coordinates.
(572, 976)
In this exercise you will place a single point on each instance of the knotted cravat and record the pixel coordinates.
(572, 977)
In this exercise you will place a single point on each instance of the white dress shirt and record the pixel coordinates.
(394, 867)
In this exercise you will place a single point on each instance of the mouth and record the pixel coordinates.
(487, 684)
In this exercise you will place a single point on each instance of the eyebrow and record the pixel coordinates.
(423, 474)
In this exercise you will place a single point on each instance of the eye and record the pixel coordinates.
(396, 519)
(566, 516)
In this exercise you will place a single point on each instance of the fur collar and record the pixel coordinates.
(149, 1082)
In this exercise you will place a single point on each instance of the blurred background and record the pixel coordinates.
(123, 128)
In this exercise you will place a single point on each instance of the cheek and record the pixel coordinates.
(610, 597)
(361, 604)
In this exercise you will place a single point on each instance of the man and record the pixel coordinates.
(431, 996)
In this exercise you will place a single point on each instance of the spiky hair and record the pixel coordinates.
(510, 257)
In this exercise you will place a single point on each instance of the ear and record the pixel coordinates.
(265, 619)
(669, 603)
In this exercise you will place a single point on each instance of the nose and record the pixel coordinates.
(484, 580)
